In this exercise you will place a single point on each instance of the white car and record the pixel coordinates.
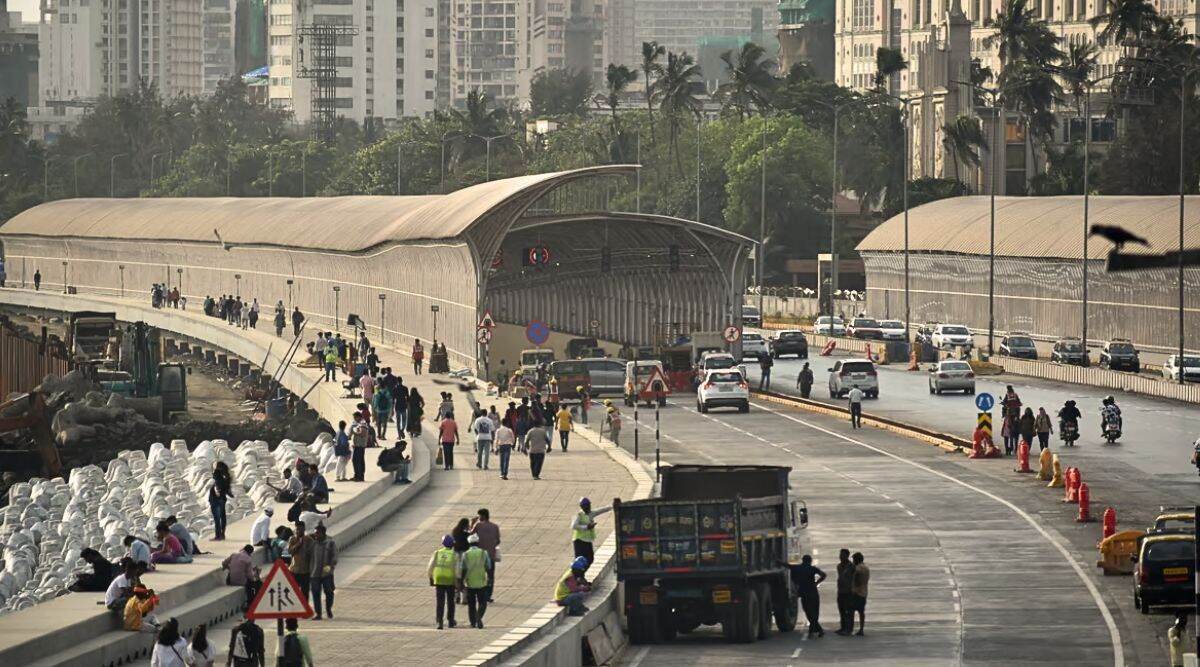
(948, 336)
(861, 373)
(754, 346)
(723, 388)
(893, 330)
(828, 326)
(951, 375)
(1191, 368)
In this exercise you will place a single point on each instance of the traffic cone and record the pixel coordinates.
(912, 360)
(1085, 497)
(1056, 479)
(1044, 465)
(1072, 486)
(1110, 522)
(869, 352)
(829, 348)
(1023, 457)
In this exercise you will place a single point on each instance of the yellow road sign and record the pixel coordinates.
(985, 422)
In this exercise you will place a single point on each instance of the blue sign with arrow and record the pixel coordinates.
(984, 402)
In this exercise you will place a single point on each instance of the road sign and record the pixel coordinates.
(985, 401)
(537, 332)
(483, 335)
(984, 422)
(487, 321)
(279, 597)
(594, 324)
(656, 375)
(732, 334)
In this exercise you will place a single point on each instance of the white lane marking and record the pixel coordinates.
(639, 656)
(796, 653)
(1114, 633)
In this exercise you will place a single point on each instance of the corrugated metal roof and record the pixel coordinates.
(345, 224)
(1038, 226)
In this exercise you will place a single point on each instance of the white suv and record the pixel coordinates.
(861, 373)
(723, 388)
(949, 336)
(754, 346)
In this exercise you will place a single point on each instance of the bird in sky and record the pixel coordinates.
(1117, 235)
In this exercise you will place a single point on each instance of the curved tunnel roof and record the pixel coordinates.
(346, 224)
(1048, 227)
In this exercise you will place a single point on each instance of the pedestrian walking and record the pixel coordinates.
(1044, 428)
(505, 440)
(360, 434)
(37, 280)
(585, 402)
(1010, 431)
(341, 449)
(473, 568)
(400, 404)
(366, 384)
(219, 494)
(247, 647)
(565, 426)
(331, 362)
(280, 322)
(862, 578)
(448, 437)
(442, 566)
(200, 653)
(856, 397)
(612, 419)
(296, 651)
(254, 314)
(297, 321)
(418, 356)
(806, 577)
(489, 540)
(845, 592)
(381, 405)
(416, 412)
(583, 530)
(764, 366)
(482, 428)
(169, 647)
(322, 563)
(537, 441)
(1028, 426)
(300, 546)
(804, 381)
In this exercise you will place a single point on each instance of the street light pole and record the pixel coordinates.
(445, 134)
(382, 303)
(75, 167)
(833, 259)
(337, 292)
(112, 167)
(121, 267)
(699, 118)
(762, 220)
(639, 177)
(488, 161)
(1182, 115)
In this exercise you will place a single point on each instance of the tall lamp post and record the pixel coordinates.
(488, 161)
(762, 221)
(121, 268)
(382, 303)
(446, 135)
(290, 282)
(699, 119)
(434, 309)
(1183, 77)
(64, 264)
(833, 261)
(237, 278)
(1087, 143)
(75, 168)
(179, 272)
(337, 292)
(112, 174)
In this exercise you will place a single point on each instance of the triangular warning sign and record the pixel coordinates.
(487, 321)
(280, 596)
(656, 373)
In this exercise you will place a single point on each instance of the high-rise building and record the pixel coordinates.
(250, 35)
(490, 50)
(680, 25)
(220, 26)
(568, 35)
(387, 70)
(806, 35)
(18, 57)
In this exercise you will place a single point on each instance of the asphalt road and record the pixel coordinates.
(971, 564)
(1158, 433)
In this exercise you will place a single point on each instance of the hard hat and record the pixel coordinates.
(472, 539)
(579, 388)
(553, 380)
(585, 502)
(447, 541)
(580, 563)
(519, 372)
(608, 402)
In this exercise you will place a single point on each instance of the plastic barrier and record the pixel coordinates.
(1085, 497)
(1117, 550)
(829, 348)
(1056, 480)
(1110, 522)
(1023, 457)
(1044, 465)
(1072, 486)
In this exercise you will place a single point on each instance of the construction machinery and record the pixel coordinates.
(29, 412)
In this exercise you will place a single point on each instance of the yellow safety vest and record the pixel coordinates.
(584, 534)
(561, 591)
(443, 567)
(475, 568)
(331, 355)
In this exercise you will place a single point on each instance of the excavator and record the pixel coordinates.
(32, 414)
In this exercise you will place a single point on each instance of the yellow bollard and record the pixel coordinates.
(1057, 480)
(1044, 465)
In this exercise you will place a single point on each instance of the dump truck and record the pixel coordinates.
(714, 548)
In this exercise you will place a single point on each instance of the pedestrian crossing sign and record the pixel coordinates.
(279, 597)
(487, 321)
(985, 423)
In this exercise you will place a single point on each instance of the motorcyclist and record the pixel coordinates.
(1110, 413)
(1196, 454)
(1068, 414)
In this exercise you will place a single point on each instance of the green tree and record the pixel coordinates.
(616, 79)
(922, 191)
(651, 71)
(560, 92)
(751, 81)
(963, 138)
(1124, 19)
(888, 62)
(676, 92)
(20, 161)
(1077, 67)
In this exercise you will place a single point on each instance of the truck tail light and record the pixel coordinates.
(1143, 577)
(970, 374)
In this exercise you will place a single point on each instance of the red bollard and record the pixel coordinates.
(1085, 497)
(1110, 522)
(1072, 479)
(829, 348)
(1023, 457)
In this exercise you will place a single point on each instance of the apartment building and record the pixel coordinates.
(568, 34)
(681, 25)
(491, 50)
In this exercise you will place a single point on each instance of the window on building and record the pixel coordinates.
(428, 74)
(429, 94)
(864, 13)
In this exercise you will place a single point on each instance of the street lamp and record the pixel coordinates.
(434, 309)
(833, 259)
(1184, 73)
(64, 264)
(699, 118)
(122, 269)
(382, 303)
(75, 167)
(400, 161)
(488, 141)
(290, 282)
(639, 176)
(237, 278)
(179, 272)
(112, 172)
(1087, 142)
(337, 291)
(445, 135)
(762, 221)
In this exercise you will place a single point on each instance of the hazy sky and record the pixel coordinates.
(28, 8)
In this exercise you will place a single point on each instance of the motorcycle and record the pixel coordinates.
(1068, 432)
(1112, 431)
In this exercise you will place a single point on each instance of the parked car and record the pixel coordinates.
(1119, 354)
(951, 375)
(830, 326)
(851, 373)
(1164, 571)
(1018, 344)
(723, 388)
(892, 330)
(719, 361)
(1069, 350)
(1191, 368)
(950, 336)
(754, 346)
(606, 377)
(1174, 520)
(865, 328)
(751, 317)
(791, 341)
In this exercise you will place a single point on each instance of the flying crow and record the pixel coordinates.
(1117, 235)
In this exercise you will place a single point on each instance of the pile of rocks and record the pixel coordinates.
(48, 522)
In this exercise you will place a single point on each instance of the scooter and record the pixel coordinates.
(1112, 431)
(1068, 432)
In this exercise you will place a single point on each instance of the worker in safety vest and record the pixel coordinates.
(552, 395)
(473, 570)
(585, 401)
(443, 568)
(572, 587)
(583, 530)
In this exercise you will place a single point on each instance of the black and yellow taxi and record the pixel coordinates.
(1164, 571)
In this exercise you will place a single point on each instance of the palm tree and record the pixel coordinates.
(475, 120)
(1077, 68)
(1124, 19)
(677, 96)
(888, 62)
(651, 70)
(1013, 24)
(751, 81)
(962, 138)
(616, 79)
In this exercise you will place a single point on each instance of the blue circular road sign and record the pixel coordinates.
(984, 402)
(537, 332)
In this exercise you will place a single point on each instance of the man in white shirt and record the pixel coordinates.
(482, 428)
(856, 397)
(119, 589)
(260, 532)
(505, 440)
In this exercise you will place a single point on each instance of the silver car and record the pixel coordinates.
(951, 375)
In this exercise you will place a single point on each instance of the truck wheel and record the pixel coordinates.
(666, 626)
(644, 629)
(741, 626)
(786, 613)
(764, 613)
